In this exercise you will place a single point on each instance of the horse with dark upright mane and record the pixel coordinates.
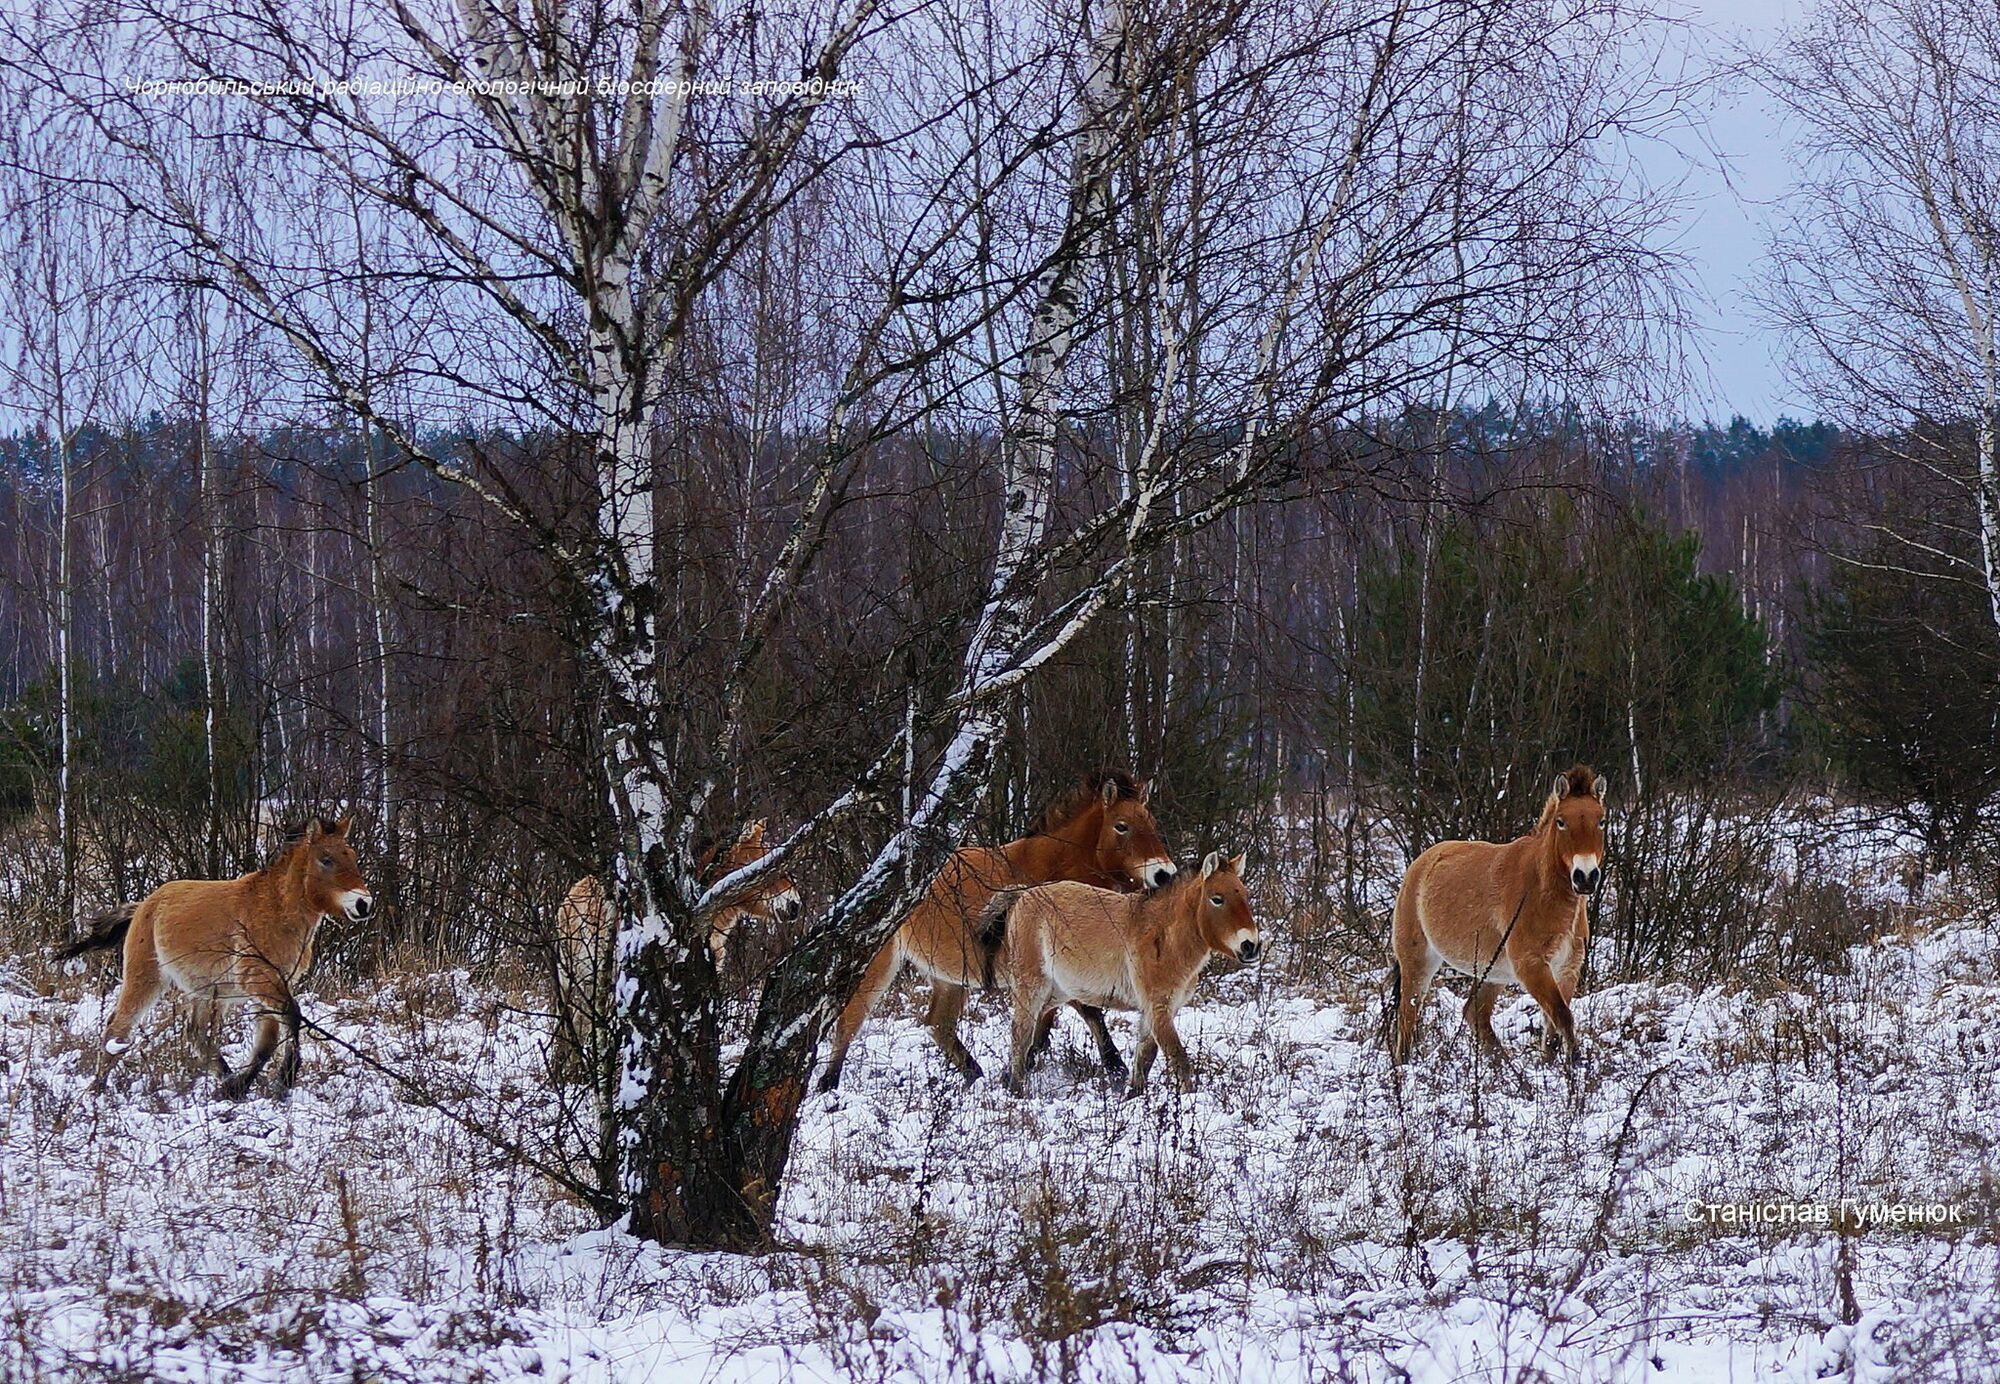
(1517, 914)
(246, 940)
(1100, 832)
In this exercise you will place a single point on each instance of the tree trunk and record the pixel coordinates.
(815, 979)
(211, 576)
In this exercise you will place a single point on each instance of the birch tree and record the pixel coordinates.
(67, 320)
(1886, 275)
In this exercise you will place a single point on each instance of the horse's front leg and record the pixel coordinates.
(1558, 1023)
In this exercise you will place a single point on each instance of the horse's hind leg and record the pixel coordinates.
(137, 993)
(1416, 964)
(1414, 976)
(1107, 1051)
(208, 1030)
(1030, 1014)
(947, 1004)
(1479, 1015)
(875, 982)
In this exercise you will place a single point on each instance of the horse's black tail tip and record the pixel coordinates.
(106, 930)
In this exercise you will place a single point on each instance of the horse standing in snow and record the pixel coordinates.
(237, 941)
(1070, 943)
(586, 921)
(1517, 914)
(1101, 833)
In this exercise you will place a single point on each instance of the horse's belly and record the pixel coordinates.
(1101, 985)
(1496, 969)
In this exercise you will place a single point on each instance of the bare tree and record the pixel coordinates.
(67, 316)
(1886, 270)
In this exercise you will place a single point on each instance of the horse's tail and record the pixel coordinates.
(993, 930)
(106, 930)
(1391, 998)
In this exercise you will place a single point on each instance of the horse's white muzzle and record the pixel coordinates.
(1585, 875)
(357, 904)
(787, 906)
(1156, 872)
(1249, 946)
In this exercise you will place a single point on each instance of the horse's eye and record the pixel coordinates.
(1121, 827)
(327, 861)
(1215, 899)
(1561, 825)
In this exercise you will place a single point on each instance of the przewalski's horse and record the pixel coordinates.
(586, 921)
(1516, 914)
(1071, 943)
(236, 941)
(1100, 832)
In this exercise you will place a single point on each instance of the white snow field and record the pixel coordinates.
(1302, 1215)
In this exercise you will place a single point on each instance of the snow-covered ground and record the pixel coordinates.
(1303, 1214)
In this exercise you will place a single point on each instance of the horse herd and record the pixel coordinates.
(1088, 911)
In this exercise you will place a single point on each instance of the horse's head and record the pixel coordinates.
(1575, 817)
(1128, 842)
(1222, 906)
(332, 877)
(774, 898)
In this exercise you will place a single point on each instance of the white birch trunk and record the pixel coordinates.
(211, 581)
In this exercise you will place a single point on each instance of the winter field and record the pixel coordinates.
(1303, 1215)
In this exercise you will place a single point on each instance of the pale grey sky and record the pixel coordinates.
(1723, 230)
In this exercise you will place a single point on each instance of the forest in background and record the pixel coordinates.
(1485, 595)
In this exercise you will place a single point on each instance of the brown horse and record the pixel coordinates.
(1067, 943)
(586, 922)
(237, 941)
(1517, 914)
(1101, 832)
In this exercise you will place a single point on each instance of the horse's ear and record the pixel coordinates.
(341, 827)
(1561, 790)
(1145, 791)
(1236, 865)
(1110, 793)
(753, 834)
(315, 828)
(1213, 863)
(1598, 788)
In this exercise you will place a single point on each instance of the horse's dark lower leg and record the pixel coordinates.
(1559, 1023)
(1107, 1051)
(270, 1031)
(875, 983)
(288, 1067)
(947, 1004)
(1479, 1015)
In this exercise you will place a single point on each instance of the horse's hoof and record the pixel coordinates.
(829, 1081)
(971, 1071)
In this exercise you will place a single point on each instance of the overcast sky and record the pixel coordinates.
(1723, 233)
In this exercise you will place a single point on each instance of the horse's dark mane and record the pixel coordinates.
(1582, 784)
(290, 839)
(1076, 799)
